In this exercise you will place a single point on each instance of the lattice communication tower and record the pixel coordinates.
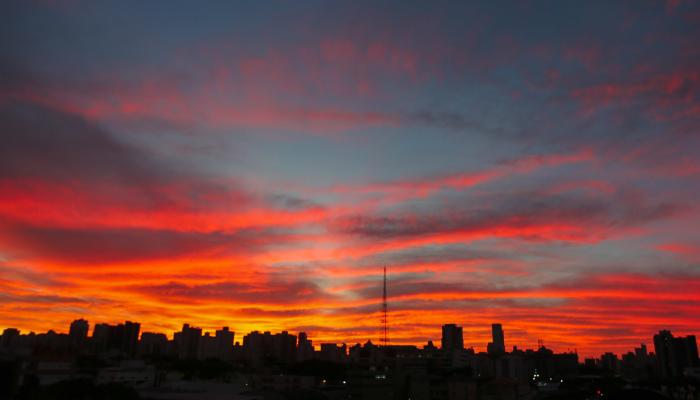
(384, 334)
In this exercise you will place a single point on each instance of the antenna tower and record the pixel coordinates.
(384, 335)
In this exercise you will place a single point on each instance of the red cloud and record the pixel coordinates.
(669, 96)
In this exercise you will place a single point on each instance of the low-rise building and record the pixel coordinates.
(371, 381)
(281, 382)
(129, 372)
(507, 389)
(432, 387)
(47, 369)
(692, 372)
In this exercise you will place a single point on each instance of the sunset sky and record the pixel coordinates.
(256, 164)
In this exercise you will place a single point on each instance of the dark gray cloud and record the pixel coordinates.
(100, 246)
(40, 142)
(292, 202)
(286, 292)
(252, 312)
(31, 276)
(533, 215)
(41, 299)
(435, 254)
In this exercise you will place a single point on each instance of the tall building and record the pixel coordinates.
(641, 355)
(666, 354)
(674, 355)
(498, 345)
(285, 347)
(219, 346)
(452, 337)
(260, 348)
(78, 333)
(188, 342)
(7, 336)
(129, 339)
(224, 339)
(152, 343)
(305, 348)
(610, 361)
(510, 366)
(101, 337)
(254, 347)
(122, 338)
(688, 351)
(208, 347)
(646, 362)
(333, 352)
(428, 387)
(376, 381)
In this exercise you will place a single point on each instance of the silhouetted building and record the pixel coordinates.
(692, 373)
(610, 361)
(78, 334)
(363, 353)
(256, 347)
(188, 342)
(510, 366)
(285, 347)
(675, 354)
(687, 352)
(628, 366)
(371, 381)
(7, 336)
(52, 343)
(285, 383)
(103, 338)
(129, 372)
(305, 348)
(666, 354)
(121, 339)
(543, 364)
(333, 352)
(645, 362)
(224, 338)
(498, 345)
(506, 389)
(452, 337)
(208, 347)
(152, 343)
(238, 353)
(21, 345)
(129, 337)
(642, 357)
(46, 369)
(565, 364)
(432, 387)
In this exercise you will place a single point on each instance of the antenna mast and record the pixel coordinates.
(384, 339)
